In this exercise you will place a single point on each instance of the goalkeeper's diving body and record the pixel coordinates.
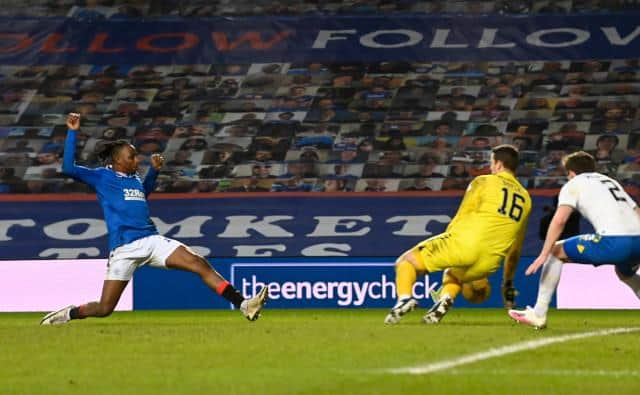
(488, 228)
(133, 238)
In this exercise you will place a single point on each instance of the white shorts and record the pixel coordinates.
(151, 250)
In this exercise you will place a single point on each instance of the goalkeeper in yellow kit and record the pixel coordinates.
(489, 227)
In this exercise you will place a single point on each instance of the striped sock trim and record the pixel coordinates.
(220, 288)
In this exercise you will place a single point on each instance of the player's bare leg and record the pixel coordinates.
(111, 292)
(185, 259)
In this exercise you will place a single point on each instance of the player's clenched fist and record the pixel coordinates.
(157, 161)
(73, 121)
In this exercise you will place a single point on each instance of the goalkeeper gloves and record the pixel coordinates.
(509, 294)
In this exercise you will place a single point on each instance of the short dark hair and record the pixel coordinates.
(108, 151)
(579, 162)
(508, 155)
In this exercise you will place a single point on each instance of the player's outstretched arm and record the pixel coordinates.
(558, 222)
(68, 158)
(69, 167)
(149, 184)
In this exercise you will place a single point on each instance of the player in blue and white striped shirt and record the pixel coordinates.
(133, 238)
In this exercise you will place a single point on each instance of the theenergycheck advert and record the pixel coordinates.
(327, 285)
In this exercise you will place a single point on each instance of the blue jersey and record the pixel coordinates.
(123, 197)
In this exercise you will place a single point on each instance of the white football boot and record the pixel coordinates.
(402, 307)
(528, 317)
(250, 308)
(438, 310)
(58, 317)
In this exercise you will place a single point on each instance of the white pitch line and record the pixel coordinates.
(544, 372)
(505, 350)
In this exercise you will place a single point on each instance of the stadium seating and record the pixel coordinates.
(384, 126)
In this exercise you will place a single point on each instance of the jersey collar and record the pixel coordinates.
(119, 173)
(507, 173)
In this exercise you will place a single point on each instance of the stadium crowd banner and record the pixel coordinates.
(272, 225)
(319, 39)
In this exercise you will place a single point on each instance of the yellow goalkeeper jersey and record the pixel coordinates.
(493, 215)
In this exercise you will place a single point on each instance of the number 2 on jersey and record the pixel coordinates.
(515, 210)
(615, 191)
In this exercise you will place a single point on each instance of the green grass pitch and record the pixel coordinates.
(313, 352)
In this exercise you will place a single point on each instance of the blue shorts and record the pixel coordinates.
(596, 250)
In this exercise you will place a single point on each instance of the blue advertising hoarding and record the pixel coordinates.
(417, 38)
(302, 282)
(305, 283)
(266, 226)
(314, 251)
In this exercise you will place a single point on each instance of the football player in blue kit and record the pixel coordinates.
(133, 238)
